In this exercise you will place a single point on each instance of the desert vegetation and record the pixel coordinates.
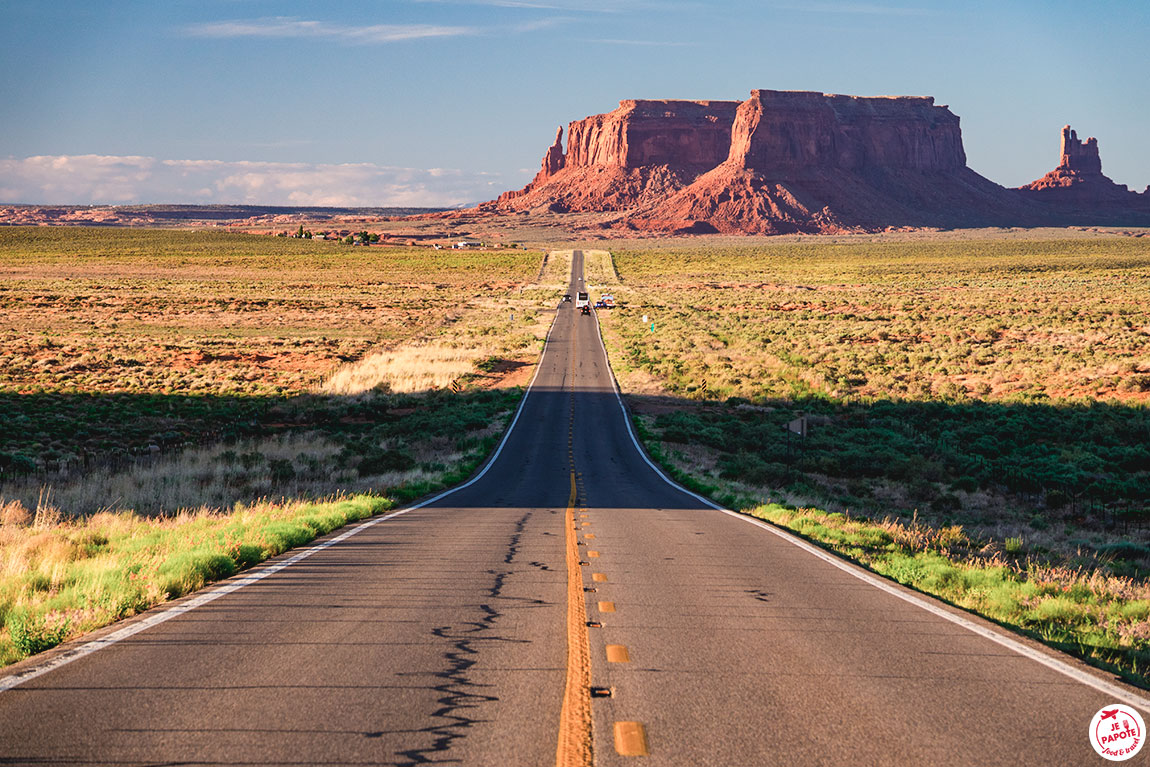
(60, 578)
(171, 397)
(995, 388)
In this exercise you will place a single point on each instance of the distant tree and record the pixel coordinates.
(350, 239)
(300, 232)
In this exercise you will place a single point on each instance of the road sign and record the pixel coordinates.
(455, 387)
(798, 426)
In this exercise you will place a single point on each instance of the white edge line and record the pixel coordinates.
(1119, 693)
(67, 656)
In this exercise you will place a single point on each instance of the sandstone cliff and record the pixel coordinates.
(641, 152)
(781, 131)
(791, 161)
(812, 162)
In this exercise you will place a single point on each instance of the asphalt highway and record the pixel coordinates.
(442, 636)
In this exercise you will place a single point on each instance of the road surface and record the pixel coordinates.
(446, 635)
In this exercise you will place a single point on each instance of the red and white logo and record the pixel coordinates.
(1117, 732)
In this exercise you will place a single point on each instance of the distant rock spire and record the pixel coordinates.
(553, 160)
(1079, 156)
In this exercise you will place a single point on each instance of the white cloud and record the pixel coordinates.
(103, 179)
(594, 6)
(645, 43)
(865, 9)
(580, 6)
(288, 27)
(541, 24)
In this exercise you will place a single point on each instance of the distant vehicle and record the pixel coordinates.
(586, 309)
(583, 302)
(566, 298)
(605, 302)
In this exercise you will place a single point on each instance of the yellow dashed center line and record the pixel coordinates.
(617, 653)
(630, 739)
(575, 747)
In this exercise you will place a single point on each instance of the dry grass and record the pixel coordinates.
(922, 320)
(406, 369)
(599, 268)
(556, 271)
(121, 348)
(194, 312)
(295, 465)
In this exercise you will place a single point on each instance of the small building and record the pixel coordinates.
(467, 244)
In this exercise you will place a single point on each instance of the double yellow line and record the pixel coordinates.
(574, 749)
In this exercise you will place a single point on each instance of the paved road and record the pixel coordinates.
(441, 636)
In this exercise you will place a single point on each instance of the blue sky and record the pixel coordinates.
(427, 102)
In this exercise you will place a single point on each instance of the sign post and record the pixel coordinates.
(797, 426)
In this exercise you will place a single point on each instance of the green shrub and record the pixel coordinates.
(30, 634)
(188, 571)
(281, 470)
(1059, 610)
(381, 461)
(1128, 550)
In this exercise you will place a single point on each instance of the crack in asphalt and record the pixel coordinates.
(460, 696)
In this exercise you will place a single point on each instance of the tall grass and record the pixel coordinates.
(62, 577)
(1099, 617)
(300, 465)
(406, 369)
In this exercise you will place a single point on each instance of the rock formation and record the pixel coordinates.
(1078, 180)
(793, 161)
(641, 152)
(812, 162)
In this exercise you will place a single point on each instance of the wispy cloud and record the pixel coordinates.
(592, 6)
(866, 9)
(111, 179)
(541, 24)
(286, 27)
(647, 43)
(580, 6)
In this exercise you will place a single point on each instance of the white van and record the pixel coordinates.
(583, 302)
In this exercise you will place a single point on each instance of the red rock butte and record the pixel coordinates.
(1078, 180)
(785, 161)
